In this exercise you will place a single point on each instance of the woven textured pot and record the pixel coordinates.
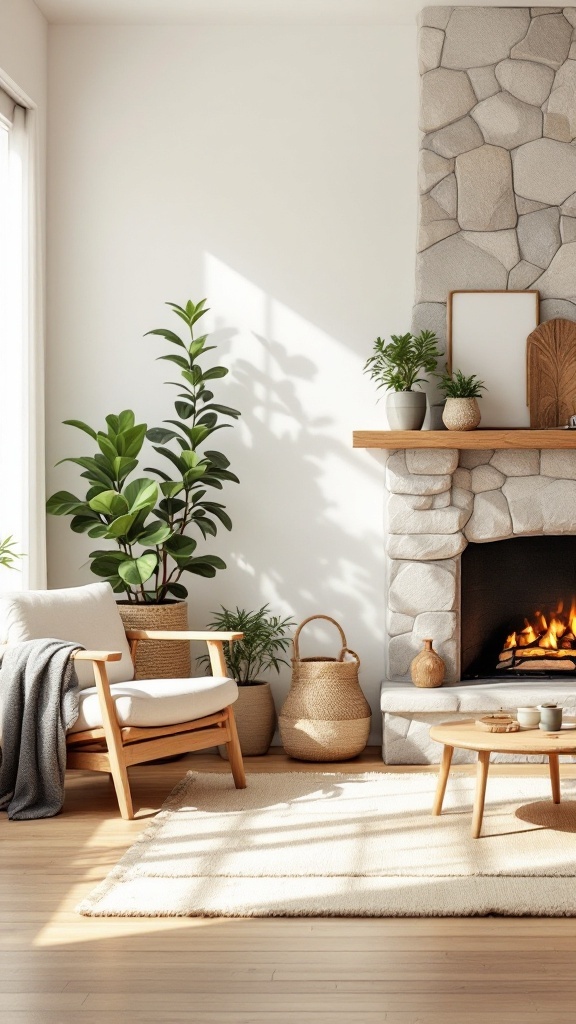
(255, 715)
(427, 669)
(325, 717)
(461, 414)
(159, 659)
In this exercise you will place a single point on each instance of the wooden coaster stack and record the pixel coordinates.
(498, 723)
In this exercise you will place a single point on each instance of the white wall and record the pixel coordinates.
(24, 48)
(273, 170)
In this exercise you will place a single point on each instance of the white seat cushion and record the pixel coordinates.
(86, 615)
(153, 702)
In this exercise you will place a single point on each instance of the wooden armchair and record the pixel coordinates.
(122, 721)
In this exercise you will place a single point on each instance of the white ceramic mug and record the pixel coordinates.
(528, 718)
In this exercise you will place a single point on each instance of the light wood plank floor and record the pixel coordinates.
(57, 966)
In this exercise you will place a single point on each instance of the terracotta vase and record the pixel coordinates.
(461, 414)
(427, 668)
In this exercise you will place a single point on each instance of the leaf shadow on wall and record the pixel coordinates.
(289, 540)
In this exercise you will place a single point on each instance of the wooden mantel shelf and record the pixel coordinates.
(464, 439)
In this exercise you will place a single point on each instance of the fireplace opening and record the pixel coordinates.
(518, 608)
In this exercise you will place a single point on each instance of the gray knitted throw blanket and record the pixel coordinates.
(39, 700)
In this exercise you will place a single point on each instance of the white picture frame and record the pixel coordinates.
(487, 332)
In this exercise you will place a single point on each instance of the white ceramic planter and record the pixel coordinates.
(405, 410)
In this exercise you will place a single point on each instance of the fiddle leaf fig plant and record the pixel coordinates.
(147, 519)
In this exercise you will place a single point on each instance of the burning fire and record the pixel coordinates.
(554, 634)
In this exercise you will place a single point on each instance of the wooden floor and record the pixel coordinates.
(57, 967)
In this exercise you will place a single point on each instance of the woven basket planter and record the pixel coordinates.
(159, 659)
(255, 719)
(326, 717)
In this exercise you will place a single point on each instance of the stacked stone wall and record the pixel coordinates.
(497, 171)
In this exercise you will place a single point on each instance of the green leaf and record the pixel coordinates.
(133, 440)
(155, 533)
(179, 360)
(81, 426)
(119, 527)
(177, 591)
(109, 451)
(190, 459)
(217, 510)
(63, 503)
(197, 315)
(160, 435)
(93, 472)
(170, 488)
(206, 526)
(168, 335)
(180, 547)
(141, 494)
(214, 372)
(224, 410)
(83, 523)
(174, 459)
(123, 466)
(106, 563)
(218, 460)
(98, 530)
(109, 503)
(184, 409)
(126, 420)
(136, 571)
(113, 423)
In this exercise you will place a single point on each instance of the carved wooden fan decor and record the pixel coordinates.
(551, 373)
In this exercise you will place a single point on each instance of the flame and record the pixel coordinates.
(554, 631)
(527, 636)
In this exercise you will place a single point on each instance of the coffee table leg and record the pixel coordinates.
(555, 777)
(481, 777)
(442, 779)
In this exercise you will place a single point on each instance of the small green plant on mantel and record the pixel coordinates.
(8, 556)
(146, 520)
(456, 385)
(260, 650)
(397, 366)
(461, 411)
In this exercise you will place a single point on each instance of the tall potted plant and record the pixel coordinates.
(259, 652)
(149, 520)
(396, 366)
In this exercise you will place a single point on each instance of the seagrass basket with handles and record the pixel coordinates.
(325, 717)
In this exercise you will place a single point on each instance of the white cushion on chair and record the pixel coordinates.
(153, 702)
(86, 615)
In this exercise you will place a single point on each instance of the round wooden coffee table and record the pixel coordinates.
(468, 736)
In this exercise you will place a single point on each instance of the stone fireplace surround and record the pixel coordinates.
(439, 500)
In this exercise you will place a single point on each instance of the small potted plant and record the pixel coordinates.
(265, 640)
(461, 411)
(396, 366)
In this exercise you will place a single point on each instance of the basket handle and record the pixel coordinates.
(328, 619)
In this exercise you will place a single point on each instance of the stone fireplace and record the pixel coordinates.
(443, 506)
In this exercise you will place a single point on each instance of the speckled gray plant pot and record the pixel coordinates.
(461, 414)
(405, 410)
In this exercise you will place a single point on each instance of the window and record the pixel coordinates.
(21, 404)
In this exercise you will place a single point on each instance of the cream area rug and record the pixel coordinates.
(362, 845)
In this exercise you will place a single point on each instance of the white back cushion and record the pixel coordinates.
(87, 615)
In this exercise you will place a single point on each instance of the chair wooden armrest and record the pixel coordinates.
(97, 656)
(180, 634)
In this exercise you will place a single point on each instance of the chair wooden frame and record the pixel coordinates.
(112, 748)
